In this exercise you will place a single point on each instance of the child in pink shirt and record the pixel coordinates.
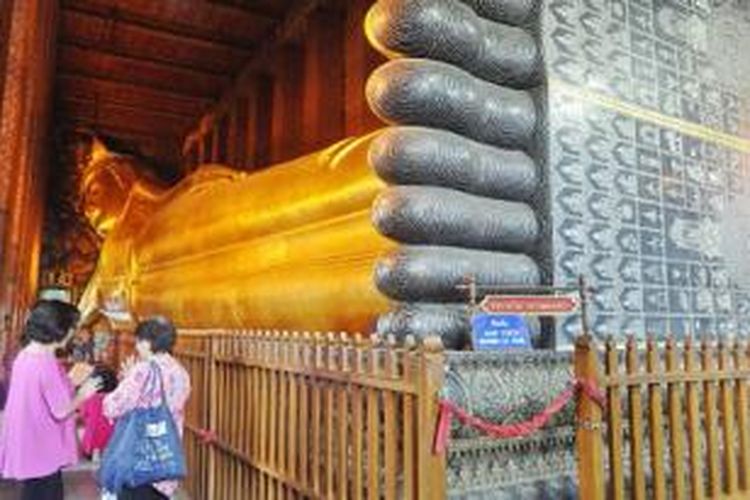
(97, 428)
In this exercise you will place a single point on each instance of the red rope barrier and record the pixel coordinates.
(448, 410)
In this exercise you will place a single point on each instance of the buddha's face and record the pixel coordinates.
(103, 199)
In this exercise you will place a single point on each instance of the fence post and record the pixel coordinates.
(589, 447)
(211, 397)
(430, 466)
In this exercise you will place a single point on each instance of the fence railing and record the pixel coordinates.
(278, 415)
(675, 422)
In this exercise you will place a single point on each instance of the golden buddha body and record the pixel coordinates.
(228, 249)
(376, 232)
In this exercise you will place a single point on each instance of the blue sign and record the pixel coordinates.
(497, 332)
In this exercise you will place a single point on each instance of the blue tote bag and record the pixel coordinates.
(145, 447)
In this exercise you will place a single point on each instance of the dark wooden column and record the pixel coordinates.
(361, 60)
(323, 97)
(25, 121)
(286, 121)
(5, 7)
(261, 129)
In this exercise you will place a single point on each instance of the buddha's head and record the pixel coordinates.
(106, 179)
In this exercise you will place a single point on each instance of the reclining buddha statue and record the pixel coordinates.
(375, 233)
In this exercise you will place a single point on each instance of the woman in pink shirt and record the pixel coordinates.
(155, 338)
(37, 438)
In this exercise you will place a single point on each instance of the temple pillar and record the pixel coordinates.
(286, 117)
(322, 104)
(28, 66)
(5, 6)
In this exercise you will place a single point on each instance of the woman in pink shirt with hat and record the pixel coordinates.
(37, 438)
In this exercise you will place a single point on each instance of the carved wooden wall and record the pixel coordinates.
(71, 247)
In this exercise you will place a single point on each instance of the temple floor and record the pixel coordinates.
(79, 485)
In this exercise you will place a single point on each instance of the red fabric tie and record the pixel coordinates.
(207, 436)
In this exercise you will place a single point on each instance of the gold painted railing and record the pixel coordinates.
(675, 425)
(290, 415)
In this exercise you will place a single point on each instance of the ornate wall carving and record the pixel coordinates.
(649, 161)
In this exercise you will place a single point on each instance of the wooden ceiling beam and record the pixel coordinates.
(136, 138)
(163, 150)
(109, 114)
(102, 90)
(95, 104)
(214, 24)
(113, 131)
(122, 39)
(254, 8)
(107, 49)
(73, 60)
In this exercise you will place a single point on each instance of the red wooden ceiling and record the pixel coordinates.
(144, 71)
